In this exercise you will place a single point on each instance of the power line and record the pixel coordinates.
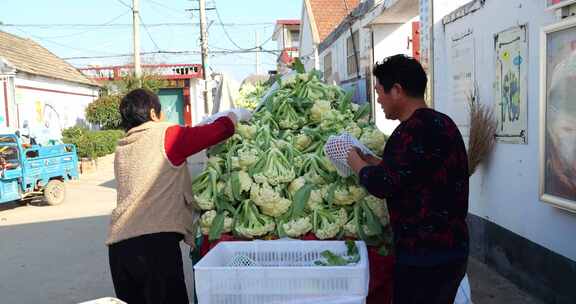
(60, 44)
(124, 3)
(193, 52)
(224, 29)
(148, 32)
(90, 30)
(76, 25)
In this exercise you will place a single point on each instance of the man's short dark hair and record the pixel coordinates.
(403, 70)
(135, 108)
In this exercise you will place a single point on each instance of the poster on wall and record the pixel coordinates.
(558, 115)
(462, 79)
(511, 85)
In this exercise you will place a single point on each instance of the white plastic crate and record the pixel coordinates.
(279, 272)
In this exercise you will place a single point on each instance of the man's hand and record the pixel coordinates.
(355, 160)
(369, 158)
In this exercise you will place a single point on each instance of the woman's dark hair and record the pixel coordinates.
(403, 70)
(135, 108)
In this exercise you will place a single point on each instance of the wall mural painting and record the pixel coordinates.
(558, 115)
(511, 87)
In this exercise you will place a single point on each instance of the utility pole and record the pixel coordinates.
(136, 36)
(257, 53)
(204, 47)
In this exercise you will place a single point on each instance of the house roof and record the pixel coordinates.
(358, 12)
(28, 56)
(325, 15)
(288, 21)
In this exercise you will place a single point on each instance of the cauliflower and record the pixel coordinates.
(205, 188)
(329, 222)
(245, 181)
(204, 201)
(378, 206)
(345, 193)
(357, 192)
(297, 227)
(207, 219)
(246, 131)
(354, 130)
(276, 208)
(316, 169)
(247, 157)
(250, 223)
(373, 139)
(288, 118)
(302, 142)
(216, 163)
(238, 183)
(288, 79)
(270, 201)
(342, 196)
(351, 227)
(319, 107)
(275, 167)
(296, 184)
(259, 178)
(332, 121)
(235, 163)
(316, 200)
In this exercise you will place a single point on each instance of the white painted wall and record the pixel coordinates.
(390, 39)
(308, 49)
(59, 110)
(505, 190)
(3, 92)
(197, 100)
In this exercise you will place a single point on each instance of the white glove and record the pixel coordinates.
(212, 118)
(241, 114)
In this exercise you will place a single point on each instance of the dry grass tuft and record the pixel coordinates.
(483, 126)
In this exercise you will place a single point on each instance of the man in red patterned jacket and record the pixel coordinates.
(423, 175)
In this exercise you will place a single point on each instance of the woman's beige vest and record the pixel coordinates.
(153, 195)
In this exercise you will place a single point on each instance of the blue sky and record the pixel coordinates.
(67, 35)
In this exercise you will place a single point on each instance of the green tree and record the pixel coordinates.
(104, 111)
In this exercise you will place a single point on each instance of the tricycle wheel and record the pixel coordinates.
(55, 192)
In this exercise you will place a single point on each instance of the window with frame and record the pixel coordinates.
(352, 45)
(295, 38)
(328, 65)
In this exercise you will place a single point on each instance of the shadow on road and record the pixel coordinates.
(65, 260)
(109, 184)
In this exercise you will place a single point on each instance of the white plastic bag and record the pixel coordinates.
(463, 295)
(337, 149)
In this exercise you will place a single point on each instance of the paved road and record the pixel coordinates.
(56, 254)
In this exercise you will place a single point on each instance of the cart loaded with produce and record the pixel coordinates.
(273, 181)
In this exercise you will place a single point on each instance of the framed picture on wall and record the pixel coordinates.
(558, 115)
(554, 4)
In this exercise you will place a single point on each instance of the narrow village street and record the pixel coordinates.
(56, 254)
(388, 139)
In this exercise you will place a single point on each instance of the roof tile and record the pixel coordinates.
(329, 13)
(30, 57)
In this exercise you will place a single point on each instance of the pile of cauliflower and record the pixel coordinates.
(272, 179)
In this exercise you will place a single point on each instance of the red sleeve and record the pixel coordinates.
(181, 142)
